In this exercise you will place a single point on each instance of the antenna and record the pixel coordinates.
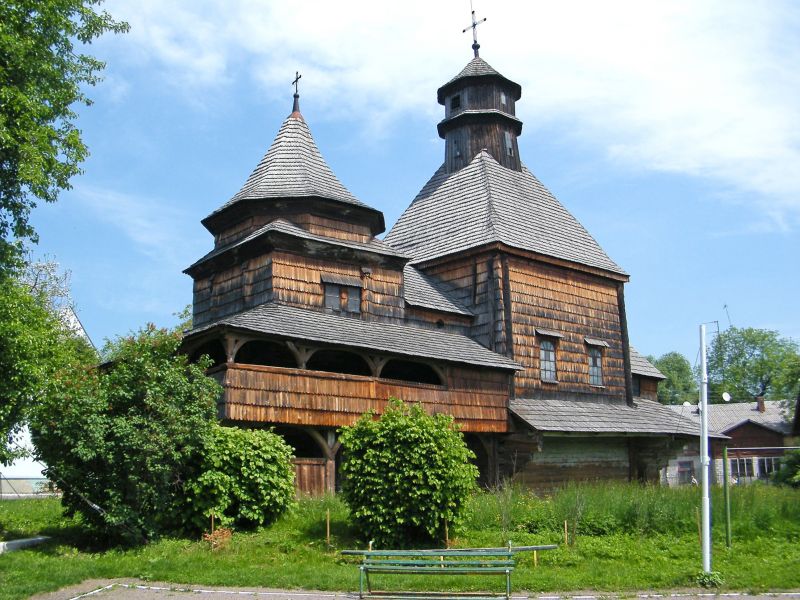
(725, 307)
(474, 27)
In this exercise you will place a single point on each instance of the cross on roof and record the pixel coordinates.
(297, 77)
(474, 27)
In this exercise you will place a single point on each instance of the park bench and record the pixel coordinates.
(450, 561)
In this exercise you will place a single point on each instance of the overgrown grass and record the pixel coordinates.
(628, 538)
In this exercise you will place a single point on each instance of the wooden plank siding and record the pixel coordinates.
(425, 317)
(576, 305)
(477, 398)
(296, 281)
(648, 388)
(340, 230)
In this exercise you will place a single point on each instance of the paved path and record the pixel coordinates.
(131, 589)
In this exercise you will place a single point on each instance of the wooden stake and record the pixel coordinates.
(328, 526)
(212, 522)
(446, 535)
(566, 534)
(535, 559)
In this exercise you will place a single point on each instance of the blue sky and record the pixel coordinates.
(670, 130)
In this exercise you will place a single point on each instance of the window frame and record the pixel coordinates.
(595, 370)
(543, 372)
(348, 298)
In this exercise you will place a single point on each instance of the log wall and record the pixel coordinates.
(478, 398)
(565, 459)
(296, 281)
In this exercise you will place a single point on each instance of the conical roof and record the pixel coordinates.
(293, 167)
(478, 67)
(487, 203)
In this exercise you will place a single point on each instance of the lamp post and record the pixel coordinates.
(704, 458)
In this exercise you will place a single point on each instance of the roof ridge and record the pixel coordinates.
(490, 209)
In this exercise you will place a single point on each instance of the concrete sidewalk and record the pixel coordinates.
(132, 589)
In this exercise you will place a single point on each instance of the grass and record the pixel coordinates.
(628, 538)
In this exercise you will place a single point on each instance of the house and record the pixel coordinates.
(486, 300)
(756, 434)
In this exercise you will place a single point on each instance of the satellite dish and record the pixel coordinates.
(726, 396)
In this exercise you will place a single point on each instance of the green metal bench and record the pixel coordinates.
(451, 561)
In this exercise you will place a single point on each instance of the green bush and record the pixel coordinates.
(406, 475)
(789, 473)
(123, 439)
(246, 479)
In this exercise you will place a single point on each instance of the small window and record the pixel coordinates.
(595, 366)
(686, 472)
(767, 465)
(342, 298)
(509, 144)
(741, 467)
(455, 102)
(503, 98)
(547, 360)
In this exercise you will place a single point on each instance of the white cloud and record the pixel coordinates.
(707, 89)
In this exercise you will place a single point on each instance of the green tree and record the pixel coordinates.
(35, 345)
(680, 384)
(748, 362)
(42, 77)
(406, 474)
(128, 436)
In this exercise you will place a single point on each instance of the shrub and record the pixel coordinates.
(123, 439)
(406, 475)
(246, 479)
(789, 473)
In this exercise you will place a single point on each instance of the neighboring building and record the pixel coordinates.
(487, 300)
(756, 432)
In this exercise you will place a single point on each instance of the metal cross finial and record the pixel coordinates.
(297, 77)
(474, 27)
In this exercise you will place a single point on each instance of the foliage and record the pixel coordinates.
(292, 552)
(406, 475)
(680, 384)
(42, 76)
(710, 579)
(35, 345)
(122, 440)
(246, 479)
(748, 362)
(789, 473)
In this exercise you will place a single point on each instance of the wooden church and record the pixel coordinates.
(486, 300)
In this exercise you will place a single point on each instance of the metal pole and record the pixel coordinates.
(704, 459)
(727, 492)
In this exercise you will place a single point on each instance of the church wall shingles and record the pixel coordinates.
(297, 281)
(232, 290)
(577, 306)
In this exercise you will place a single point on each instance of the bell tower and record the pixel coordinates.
(479, 113)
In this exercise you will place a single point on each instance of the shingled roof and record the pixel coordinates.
(581, 416)
(726, 417)
(484, 203)
(421, 290)
(641, 366)
(293, 168)
(477, 67)
(402, 340)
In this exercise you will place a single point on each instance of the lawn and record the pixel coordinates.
(623, 538)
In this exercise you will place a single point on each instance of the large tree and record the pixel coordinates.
(680, 384)
(42, 77)
(748, 362)
(36, 342)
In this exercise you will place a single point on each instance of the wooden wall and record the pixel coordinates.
(341, 230)
(576, 305)
(495, 285)
(232, 290)
(749, 435)
(565, 459)
(648, 388)
(478, 399)
(296, 281)
(431, 319)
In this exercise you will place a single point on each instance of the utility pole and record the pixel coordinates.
(705, 461)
